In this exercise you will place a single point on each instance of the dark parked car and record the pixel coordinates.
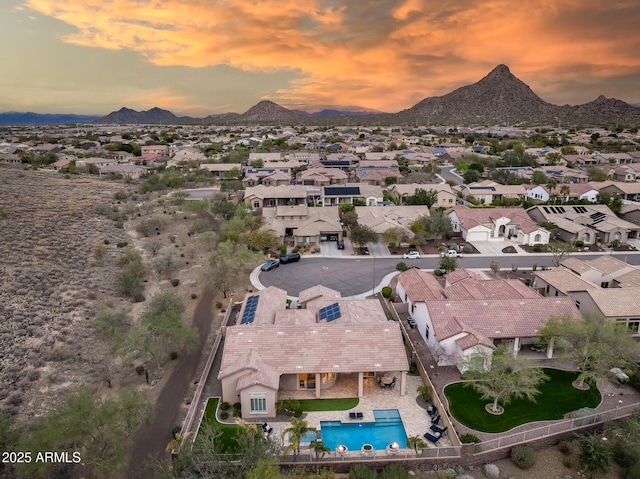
(269, 265)
(340, 244)
(290, 258)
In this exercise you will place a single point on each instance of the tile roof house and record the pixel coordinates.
(446, 196)
(496, 224)
(376, 175)
(320, 176)
(487, 191)
(587, 223)
(273, 350)
(381, 219)
(262, 196)
(467, 319)
(303, 226)
(351, 193)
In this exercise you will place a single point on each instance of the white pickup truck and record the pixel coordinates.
(451, 254)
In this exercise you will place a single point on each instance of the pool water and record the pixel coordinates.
(386, 429)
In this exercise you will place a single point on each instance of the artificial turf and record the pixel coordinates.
(336, 404)
(228, 431)
(557, 397)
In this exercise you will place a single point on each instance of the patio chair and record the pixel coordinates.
(435, 419)
(432, 410)
(352, 415)
(438, 429)
(266, 428)
(359, 415)
(432, 437)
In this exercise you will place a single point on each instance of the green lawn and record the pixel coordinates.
(557, 397)
(229, 431)
(339, 404)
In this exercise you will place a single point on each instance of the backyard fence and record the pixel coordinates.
(556, 428)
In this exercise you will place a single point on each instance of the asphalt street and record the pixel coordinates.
(353, 275)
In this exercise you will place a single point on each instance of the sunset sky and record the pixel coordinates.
(200, 57)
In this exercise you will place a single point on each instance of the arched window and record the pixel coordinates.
(537, 238)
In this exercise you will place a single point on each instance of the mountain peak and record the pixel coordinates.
(500, 72)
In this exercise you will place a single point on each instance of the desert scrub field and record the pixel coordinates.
(57, 269)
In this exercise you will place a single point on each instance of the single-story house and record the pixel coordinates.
(262, 196)
(272, 350)
(487, 191)
(587, 223)
(466, 320)
(126, 171)
(446, 196)
(217, 169)
(155, 149)
(381, 219)
(351, 193)
(496, 224)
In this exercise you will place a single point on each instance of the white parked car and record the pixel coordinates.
(451, 254)
(411, 255)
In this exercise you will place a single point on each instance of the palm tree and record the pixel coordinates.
(296, 431)
(415, 443)
(551, 185)
(564, 192)
(318, 447)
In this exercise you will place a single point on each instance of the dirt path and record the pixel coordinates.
(150, 440)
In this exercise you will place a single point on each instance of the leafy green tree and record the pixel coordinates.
(264, 469)
(222, 207)
(495, 267)
(209, 238)
(231, 230)
(594, 455)
(554, 158)
(161, 329)
(166, 261)
(295, 433)
(86, 423)
(112, 324)
(363, 235)
(594, 344)
(393, 236)
(448, 264)
(195, 206)
(596, 174)
(129, 281)
(425, 391)
(423, 197)
(470, 176)
(437, 224)
(559, 251)
(227, 263)
(259, 240)
(319, 449)
(349, 218)
(538, 178)
(179, 197)
(505, 379)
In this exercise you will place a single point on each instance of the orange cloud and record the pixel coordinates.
(377, 54)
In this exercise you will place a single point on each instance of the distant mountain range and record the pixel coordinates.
(30, 118)
(498, 98)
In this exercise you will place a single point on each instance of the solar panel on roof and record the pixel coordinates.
(250, 309)
(341, 190)
(330, 312)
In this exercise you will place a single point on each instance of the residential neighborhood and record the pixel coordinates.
(363, 265)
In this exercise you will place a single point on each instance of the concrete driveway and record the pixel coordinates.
(494, 248)
(330, 249)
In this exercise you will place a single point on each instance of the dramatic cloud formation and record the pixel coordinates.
(374, 53)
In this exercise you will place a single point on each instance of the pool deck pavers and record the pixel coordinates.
(414, 417)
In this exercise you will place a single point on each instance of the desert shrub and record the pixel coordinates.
(224, 406)
(140, 370)
(224, 415)
(402, 266)
(413, 368)
(120, 195)
(15, 399)
(237, 406)
(218, 304)
(237, 413)
(394, 471)
(297, 412)
(439, 272)
(564, 448)
(469, 438)
(523, 456)
(594, 455)
(579, 243)
(202, 226)
(467, 249)
(111, 323)
(33, 375)
(174, 282)
(624, 454)
(537, 248)
(360, 471)
(386, 291)
(630, 473)
(568, 462)
(194, 295)
(173, 355)
(58, 353)
(166, 260)
(447, 474)
(282, 249)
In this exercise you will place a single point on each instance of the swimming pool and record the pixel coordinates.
(386, 429)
